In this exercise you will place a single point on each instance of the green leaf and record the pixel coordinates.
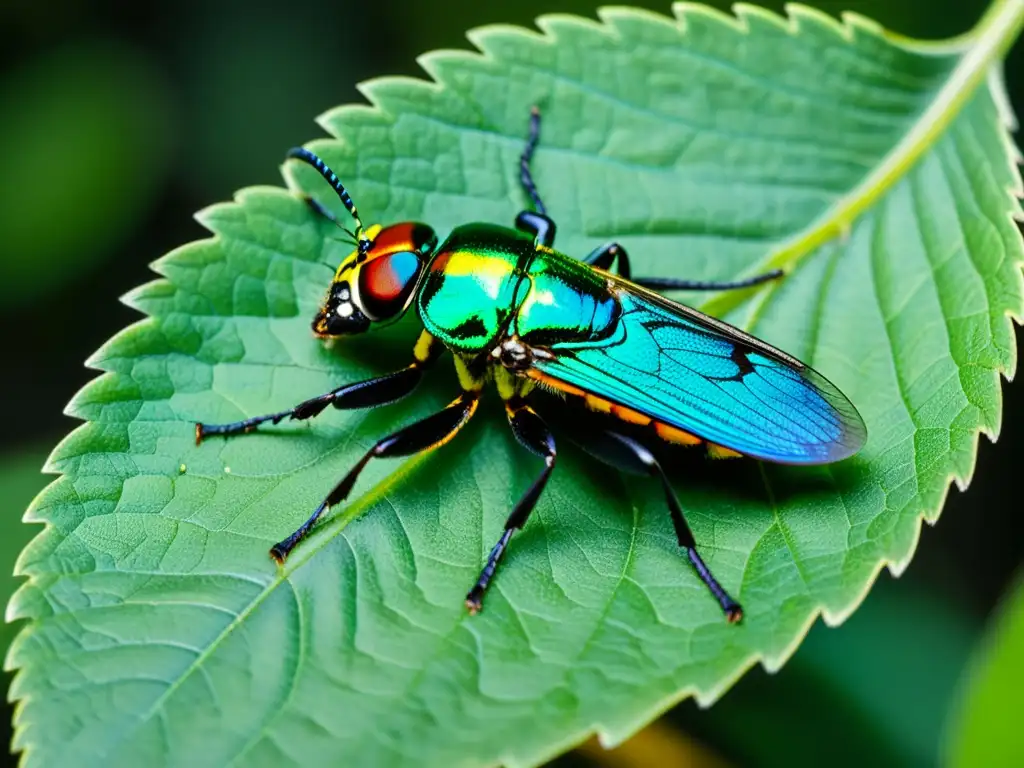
(984, 727)
(877, 169)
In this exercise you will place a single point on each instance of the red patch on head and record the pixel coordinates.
(382, 279)
(394, 261)
(386, 282)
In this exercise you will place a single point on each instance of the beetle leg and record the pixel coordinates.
(525, 177)
(431, 432)
(320, 209)
(535, 222)
(380, 390)
(540, 226)
(671, 284)
(628, 455)
(605, 256)
(531, 431)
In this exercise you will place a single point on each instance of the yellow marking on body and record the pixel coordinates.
(511, 385)
(345, 265)
(674, 435)
(551, 390)
(716, 451)
(505, 382)
(467, 380)
(667, 433)
(630, 416)
(491, 273)
(349, 261)
(473, 403)
(424, 345)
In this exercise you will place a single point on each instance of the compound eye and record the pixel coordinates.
(387, 282)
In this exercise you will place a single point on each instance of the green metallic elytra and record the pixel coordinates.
(564, 300)
(487, 282)
(513, 310)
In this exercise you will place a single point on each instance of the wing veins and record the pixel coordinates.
(827, 414)
(669, 362)
(787, 421)
(694, 399)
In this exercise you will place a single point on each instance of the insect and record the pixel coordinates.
(514, 311)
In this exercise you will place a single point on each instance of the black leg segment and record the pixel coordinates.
(525, 177)
(627, 454)
(537, 224)
(610, 254)
(531, 431)
(431, 432)
(603, 257)
(381, 390)
(320, 210)
(670, 284)
(363, 394)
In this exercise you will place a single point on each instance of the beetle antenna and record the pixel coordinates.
(303, 154)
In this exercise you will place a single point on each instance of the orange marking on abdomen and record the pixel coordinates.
(674, 435)
(630, 416)
(716, 451)
(595, 403)
(598, 404)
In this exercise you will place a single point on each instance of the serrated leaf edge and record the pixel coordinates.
(982, 47)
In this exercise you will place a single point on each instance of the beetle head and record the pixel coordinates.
(376, 283)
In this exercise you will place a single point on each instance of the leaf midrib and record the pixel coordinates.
(980, 47)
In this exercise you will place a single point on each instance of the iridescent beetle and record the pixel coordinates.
(512, 310)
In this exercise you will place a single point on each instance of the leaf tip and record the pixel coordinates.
(206, 217)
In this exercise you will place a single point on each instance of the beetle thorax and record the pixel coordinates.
(469, 292)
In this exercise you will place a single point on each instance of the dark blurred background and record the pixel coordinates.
(118, 122)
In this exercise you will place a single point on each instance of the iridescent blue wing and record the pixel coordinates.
(705, 377)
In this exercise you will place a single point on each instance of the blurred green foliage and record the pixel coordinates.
(86, 131)
(118, 123)
(21, 478)
(253, 66)
(985, 727)
(877, 690)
